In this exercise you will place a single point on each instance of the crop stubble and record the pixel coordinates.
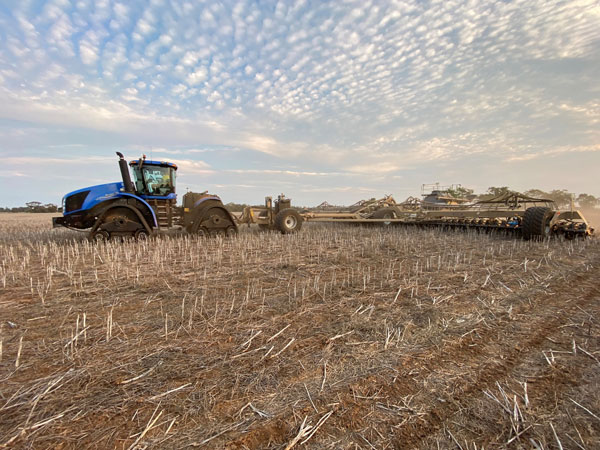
(336, 337)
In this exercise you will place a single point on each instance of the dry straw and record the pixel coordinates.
(336, 337)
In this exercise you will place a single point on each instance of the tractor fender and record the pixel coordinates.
(191, 214)
(123, 204)
(205, 199)
(145, 203)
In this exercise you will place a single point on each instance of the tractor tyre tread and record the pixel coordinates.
(288, 221)
(535, 222)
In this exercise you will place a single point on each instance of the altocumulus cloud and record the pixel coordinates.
(315, 97)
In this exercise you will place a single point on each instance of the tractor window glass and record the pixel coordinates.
(159, 180)
(137, 180)
(173, 173)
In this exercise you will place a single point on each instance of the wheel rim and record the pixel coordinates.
(290, 222)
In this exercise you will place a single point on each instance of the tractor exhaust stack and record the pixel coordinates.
(125, 174)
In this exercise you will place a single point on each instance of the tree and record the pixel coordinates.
(37, 207)
(561, 197)
(496, 191)
(588, 201)
(235, 207)
(460, 192)
(536, 193)
(33, 206)
(50, 207)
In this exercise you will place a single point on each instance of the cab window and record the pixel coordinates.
(159, 180)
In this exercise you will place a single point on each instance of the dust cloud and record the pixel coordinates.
(592, 215)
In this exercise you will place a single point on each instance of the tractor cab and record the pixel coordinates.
(154, 182)
(154, 179)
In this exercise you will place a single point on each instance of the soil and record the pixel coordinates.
(335, 337)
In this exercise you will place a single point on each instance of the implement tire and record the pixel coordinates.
(536, 223)
(288, 221)
(384, 213)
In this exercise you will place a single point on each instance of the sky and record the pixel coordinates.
(331, 101)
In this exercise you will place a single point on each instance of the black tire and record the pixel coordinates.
(384, 213)
(288, 221)
(536, 222)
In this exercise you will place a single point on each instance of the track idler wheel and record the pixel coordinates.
(99, 236)
(141, 235)
(202, 232)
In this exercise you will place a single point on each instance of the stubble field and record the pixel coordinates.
(336, 337)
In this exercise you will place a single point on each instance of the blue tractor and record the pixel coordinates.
(140, 206)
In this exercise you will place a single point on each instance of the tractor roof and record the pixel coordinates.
(148, 162)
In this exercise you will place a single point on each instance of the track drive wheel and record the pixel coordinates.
(288, 221)
(536, 223)
(384, 213)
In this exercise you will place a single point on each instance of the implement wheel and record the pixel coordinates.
(384, 213)
(288, 221)
(536, 223)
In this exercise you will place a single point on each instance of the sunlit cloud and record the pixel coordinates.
(458, 90)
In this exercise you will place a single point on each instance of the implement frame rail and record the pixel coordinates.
(507, 212)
